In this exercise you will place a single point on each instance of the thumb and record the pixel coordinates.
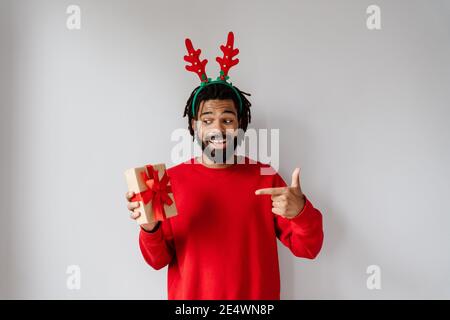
(296, 178)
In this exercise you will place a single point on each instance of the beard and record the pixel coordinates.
(219, 147)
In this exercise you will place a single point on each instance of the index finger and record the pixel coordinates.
(272, 191)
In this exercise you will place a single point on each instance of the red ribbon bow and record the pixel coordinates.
(157, 191)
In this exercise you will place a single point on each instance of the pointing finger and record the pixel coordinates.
(275, 191)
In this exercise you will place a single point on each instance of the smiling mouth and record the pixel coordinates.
(217, 142)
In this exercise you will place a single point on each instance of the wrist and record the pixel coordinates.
(301, 207)
(150, 227)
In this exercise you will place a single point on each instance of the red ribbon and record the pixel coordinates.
(157, 191)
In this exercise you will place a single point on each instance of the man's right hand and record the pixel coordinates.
(132, 206)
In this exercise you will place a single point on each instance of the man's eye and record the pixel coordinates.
(207, 121)
(228, 121)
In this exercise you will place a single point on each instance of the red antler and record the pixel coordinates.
(228, 53)
(197, 65)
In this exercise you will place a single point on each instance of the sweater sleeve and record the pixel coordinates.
(303, 234)
(157, 247)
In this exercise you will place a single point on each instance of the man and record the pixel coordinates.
(222, 244)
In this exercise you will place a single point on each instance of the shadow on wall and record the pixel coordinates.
(344, 249)
(316, 278)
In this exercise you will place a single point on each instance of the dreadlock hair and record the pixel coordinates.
(221, 92)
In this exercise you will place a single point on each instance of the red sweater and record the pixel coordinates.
(222, 244)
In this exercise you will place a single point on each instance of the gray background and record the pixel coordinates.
(363, 113)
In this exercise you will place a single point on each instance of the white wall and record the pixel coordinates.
(363, 113)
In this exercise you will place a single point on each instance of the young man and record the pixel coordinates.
(223, 242)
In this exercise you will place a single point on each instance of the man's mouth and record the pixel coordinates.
(217, 142)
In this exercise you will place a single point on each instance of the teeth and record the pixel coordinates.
(217, 141)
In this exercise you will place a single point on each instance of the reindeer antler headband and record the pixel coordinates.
(226, 62)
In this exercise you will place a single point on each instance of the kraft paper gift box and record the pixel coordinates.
(152, 189)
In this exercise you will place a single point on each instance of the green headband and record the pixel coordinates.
(218, 81)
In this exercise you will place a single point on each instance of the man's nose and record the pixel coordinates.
(218, 126)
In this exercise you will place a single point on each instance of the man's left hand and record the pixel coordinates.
(287, 202)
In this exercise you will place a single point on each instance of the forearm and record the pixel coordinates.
(156, 251)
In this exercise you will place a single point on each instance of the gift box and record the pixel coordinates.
(151, 186)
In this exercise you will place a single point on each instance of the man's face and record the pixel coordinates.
(216, 129)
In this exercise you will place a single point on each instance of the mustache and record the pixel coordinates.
(232, 140)
(218, 136)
